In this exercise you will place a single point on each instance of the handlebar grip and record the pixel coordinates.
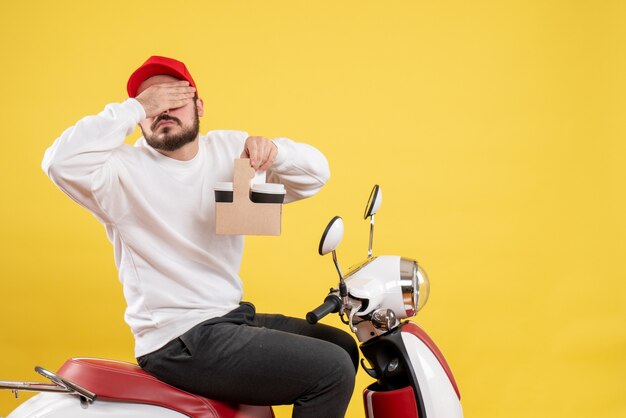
(331, 304)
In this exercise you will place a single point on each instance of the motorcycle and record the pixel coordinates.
(374, 298)
(413, 379)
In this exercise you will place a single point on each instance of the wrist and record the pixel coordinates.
(280, 152)
(137, 108)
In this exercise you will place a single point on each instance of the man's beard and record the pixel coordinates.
(163, 141)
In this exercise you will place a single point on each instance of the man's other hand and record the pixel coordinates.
(159, 98)
(261, 151)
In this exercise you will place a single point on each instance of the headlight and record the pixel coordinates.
(415, 286)
(423, 287)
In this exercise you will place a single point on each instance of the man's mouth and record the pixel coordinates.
(164, 121)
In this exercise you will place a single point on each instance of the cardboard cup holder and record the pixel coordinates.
(245, 209)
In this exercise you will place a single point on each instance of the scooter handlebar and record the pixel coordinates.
(331, 304)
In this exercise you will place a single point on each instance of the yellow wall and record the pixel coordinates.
(495, 128)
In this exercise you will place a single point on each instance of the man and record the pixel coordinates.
(180, 279)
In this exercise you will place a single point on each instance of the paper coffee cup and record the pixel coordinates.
(223, 191)
(267, 193)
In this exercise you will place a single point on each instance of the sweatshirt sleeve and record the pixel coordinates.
(302, 168)
(79, 161)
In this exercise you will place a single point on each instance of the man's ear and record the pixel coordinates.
(200, 106)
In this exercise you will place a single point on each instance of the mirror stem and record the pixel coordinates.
(342, 283)
(369, 251)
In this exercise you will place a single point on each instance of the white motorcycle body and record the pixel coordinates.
(413, 377)
(438, 388)
(61, 405)
(58, 405)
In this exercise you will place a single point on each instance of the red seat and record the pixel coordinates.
(120, 381)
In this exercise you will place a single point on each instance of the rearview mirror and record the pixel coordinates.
(332, 236)
(373, 203)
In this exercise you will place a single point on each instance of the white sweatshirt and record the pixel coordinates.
(159, 213)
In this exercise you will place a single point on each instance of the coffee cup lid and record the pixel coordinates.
(224, 186)
(272, 188)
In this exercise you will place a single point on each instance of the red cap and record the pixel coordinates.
(156, 65)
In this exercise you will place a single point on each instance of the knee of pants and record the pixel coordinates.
(351, 347)
(353, 351)
(343, 371)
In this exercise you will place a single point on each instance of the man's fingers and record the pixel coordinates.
(270, 157)
(180, 89)
(161, 97)
(264, 154)
(252, 150)
(175, 104)
(261, 152)
(171, 88)
(162, 90)
(186, 97)
(174, 83)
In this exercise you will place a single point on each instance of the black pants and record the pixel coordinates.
(260, 359)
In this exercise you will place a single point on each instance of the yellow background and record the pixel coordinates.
(495, 128)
